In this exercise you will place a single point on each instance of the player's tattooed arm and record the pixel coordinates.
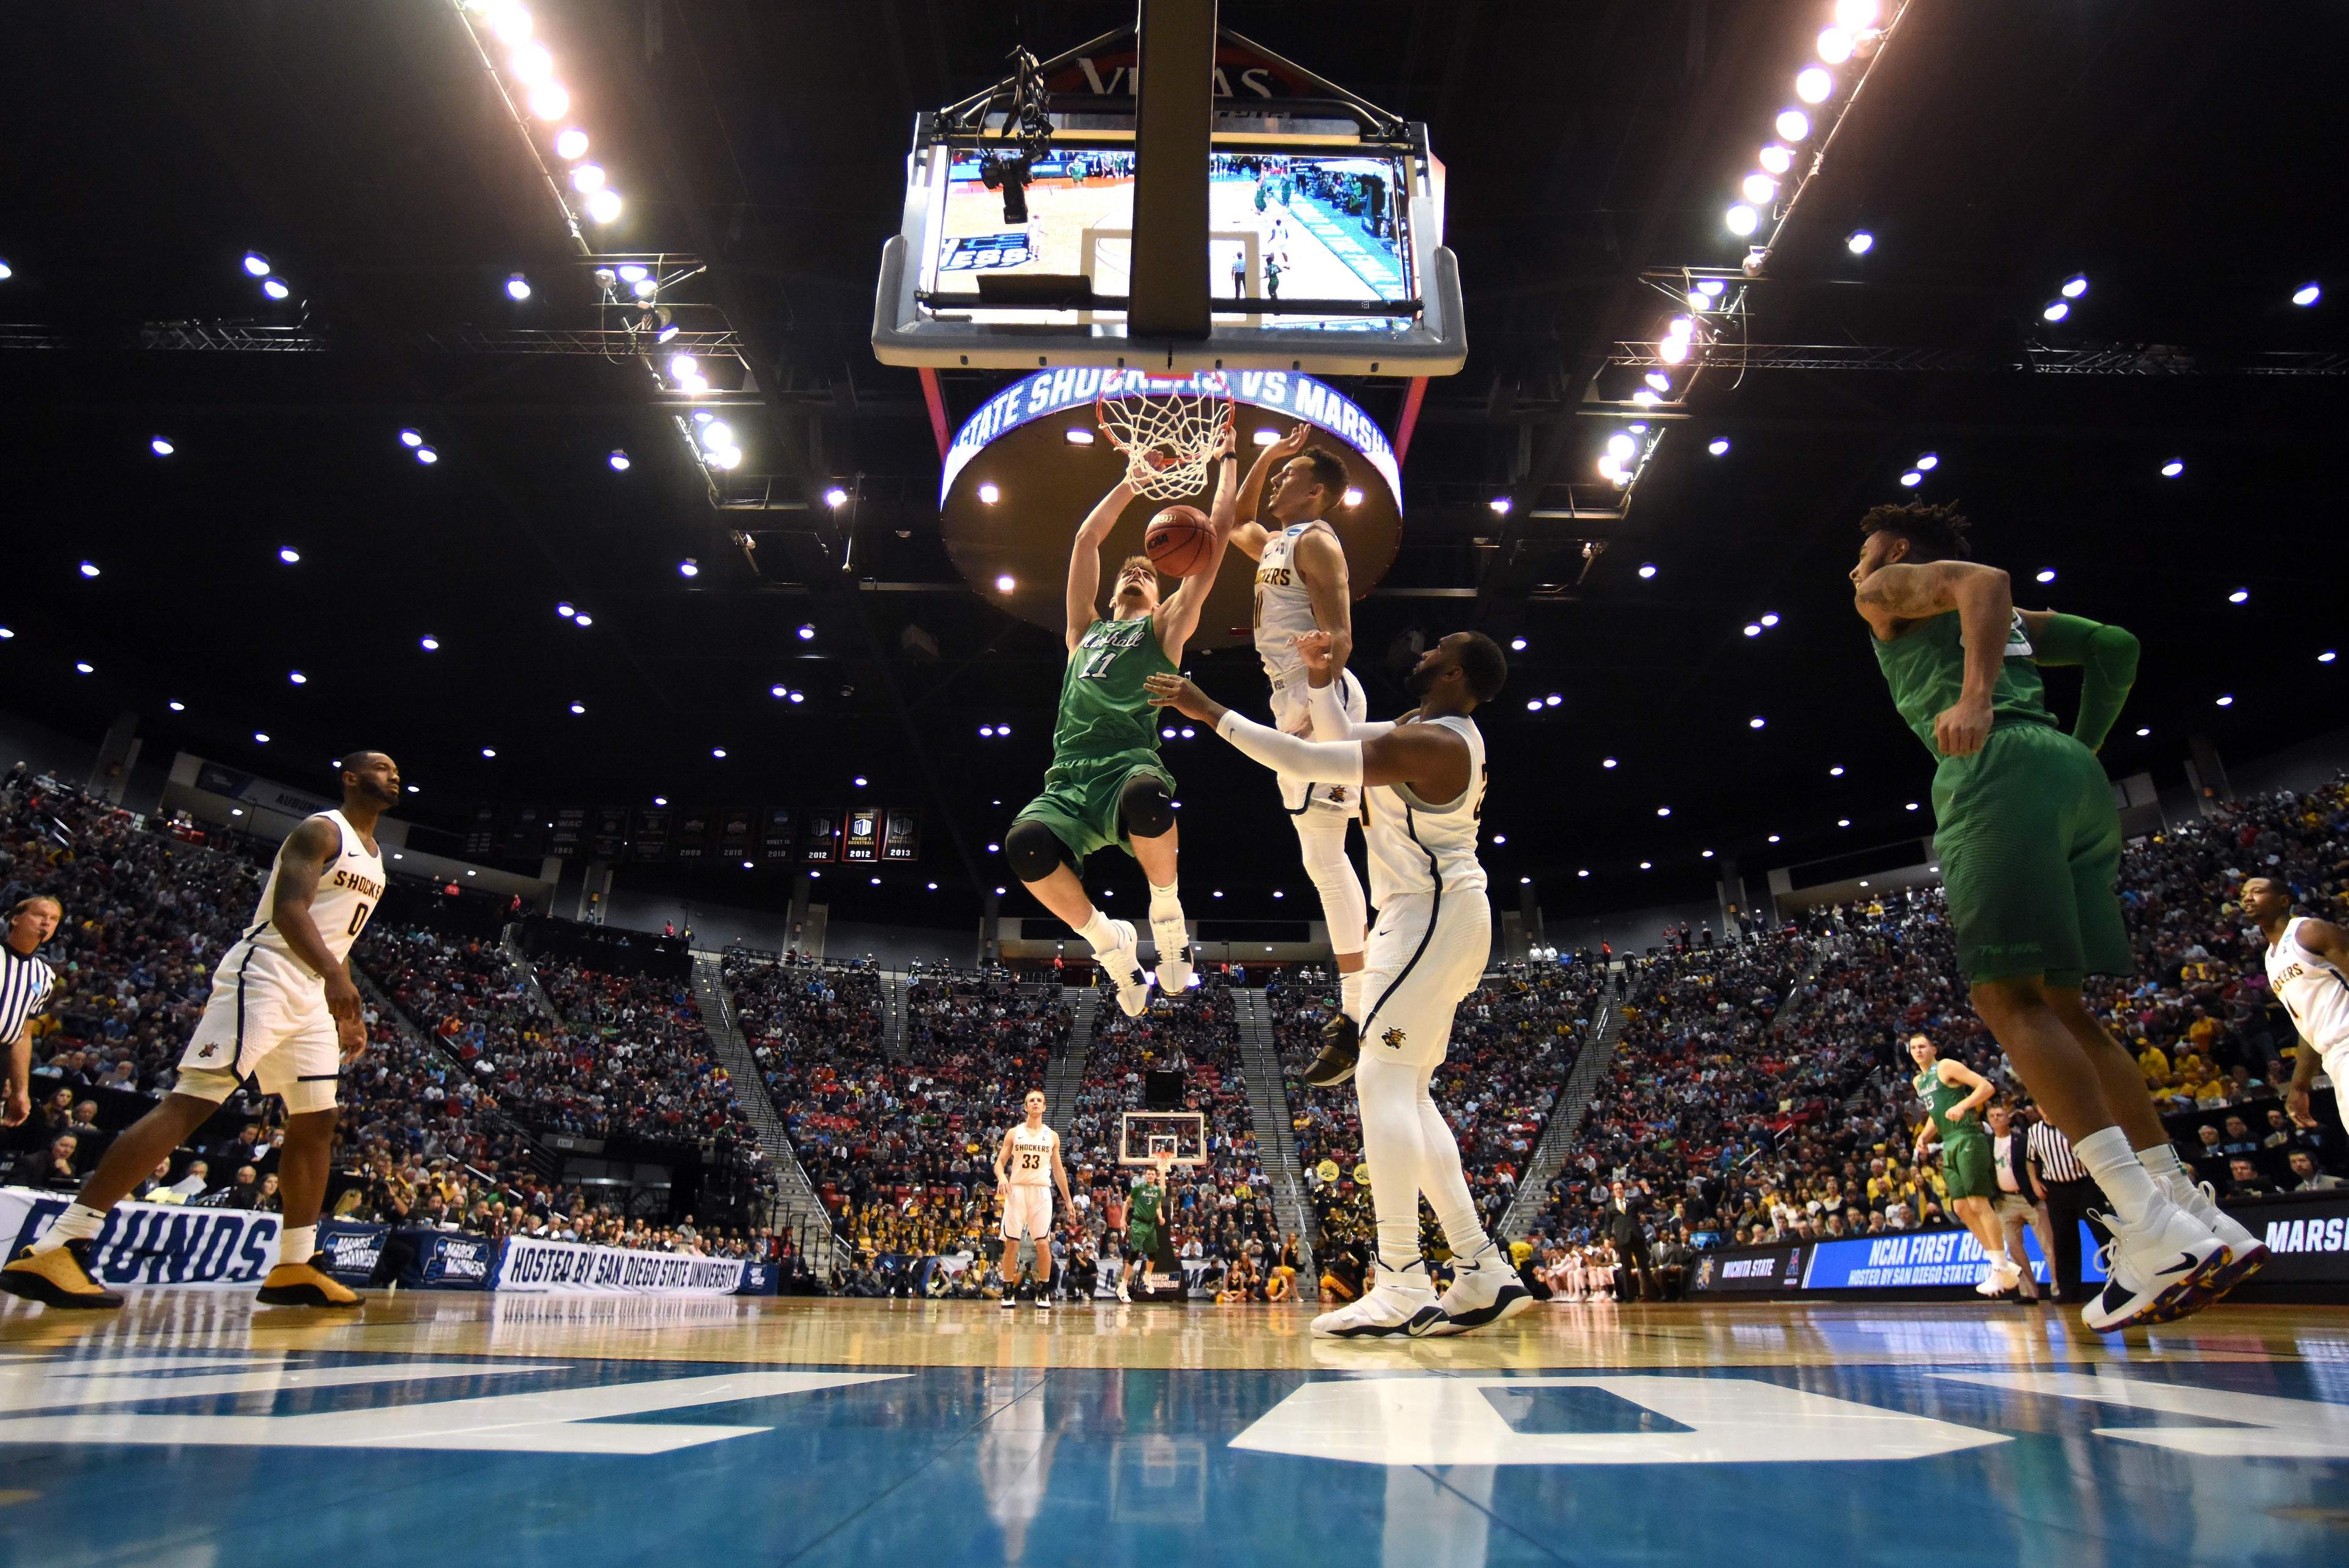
(1084, 560)
(301, 861)
(1984, 601)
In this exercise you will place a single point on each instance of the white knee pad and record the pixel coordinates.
(1322, 838)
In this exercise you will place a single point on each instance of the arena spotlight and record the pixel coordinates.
(1759, 188)
(296, 677)
(604, 206)
(1672, 350)
(1648, 570)
(690, 568)
(1500, 505)
(1658, 380)
(835, 497)
(2046, 573)
(1774, 160)
(7, 271)
(1843, 822)
(2173, 468)
(1719, 446)
(799, 696)
(1621, 447)
(2075, 285)
(429, 644)
(1927, 462)
(1752, 629)
(680, 366)
(1813, 84)
(426, 456)
(488, 752)
(1836, 772)
(618, 460)
(1264, 437)
(1077, 435)
(1770, 618)
(1517, 644)
(716, 435)
(1910, 806)
(1858, 15)
(1645, 398)
(1533, 705)
(274, 288)
(1607, 762)
(1835, 46)
(859, 781)
(177, 706)
(987, 731)
(289, 555)
(162, 447)
(989, 494)
(1742, 219)
(2056, 311)
(579, 707)
(1553, 699)
(718, 751)
(807, 634)
(256, 265)
(2307, 294)
(2226, 701)
(89, 568)
(1353, 497)
(1860, 242)
(1186, 733)
(1710, 288)
(566, 610)
(410, 440)
(517, 287)
(549, 101)
(1755, 722)
(2143, 731)
(2239, 596)
(531, 63)
(1792, 125)
(1647, 865)
(571, 143)
(1911, 480)
(2324, 658)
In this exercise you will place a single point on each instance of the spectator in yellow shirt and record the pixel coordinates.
(2153, 1065)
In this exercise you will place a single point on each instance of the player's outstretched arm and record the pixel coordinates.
(1178, 618)
(1084, 560)
(1984, 601)
(2107, 655)
(1431, 758)
(1324, 707)
(1251, 533)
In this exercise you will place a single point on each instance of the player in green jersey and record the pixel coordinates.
(2029, 843)
(1143, 1215)
(1954, 1095)
(1106, 784)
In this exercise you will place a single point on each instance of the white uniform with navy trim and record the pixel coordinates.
(2315, 992)
(1284, 611)
(1027, 1189)
(266, 1018)
(1434, 930)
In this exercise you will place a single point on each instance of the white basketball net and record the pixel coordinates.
(1170, 438)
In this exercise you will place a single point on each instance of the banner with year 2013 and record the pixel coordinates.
(574, 1268)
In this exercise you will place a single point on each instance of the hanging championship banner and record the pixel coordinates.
(821, 842)
(901, 838)
(482, 833)
(734, 833)
(651, 840)
(610, 834)
(570, 830)
(521, 832)
(863, 841)
(690, 838)
(781, 837)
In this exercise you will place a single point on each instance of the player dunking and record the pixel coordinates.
(1954, 1095)
(1424, 776)
(1301, 586)
(1027, 1167)
(2030, 844)
(2308, 969)
(1106, 784)
(283, 1013)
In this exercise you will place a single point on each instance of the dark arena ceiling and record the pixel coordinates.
(2185, 159)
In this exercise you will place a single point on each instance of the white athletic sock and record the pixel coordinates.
(1165, 903)
(299, 1244)
(1349, 993)
(2163, 1164)
(1097, 932)
(2119, 1171)
(77, 1224)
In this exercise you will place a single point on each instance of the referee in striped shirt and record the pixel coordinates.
(2071, 1195)
(25, 985)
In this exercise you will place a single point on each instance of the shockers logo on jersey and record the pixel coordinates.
(1392, 1039)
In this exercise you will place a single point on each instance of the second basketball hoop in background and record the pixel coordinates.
(1177, 540)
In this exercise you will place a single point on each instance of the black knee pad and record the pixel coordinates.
(1144, 808)
(1033, 851)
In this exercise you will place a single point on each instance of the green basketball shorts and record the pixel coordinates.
(1141, 1240)
(1967, 1169)
(1080, 799)
(2029, 848)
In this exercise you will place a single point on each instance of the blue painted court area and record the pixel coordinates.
(251, 1460)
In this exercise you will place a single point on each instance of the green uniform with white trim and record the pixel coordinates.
(1967, 1168)
(1141, 1214)
(2028, 835)
(1107, 732)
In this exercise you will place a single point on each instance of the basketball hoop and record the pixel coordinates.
(1170, 438)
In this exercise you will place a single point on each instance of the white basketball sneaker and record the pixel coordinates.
(1488, 1293)
(2156, 1271)
(1999, 1275)
(2248, 1253)
(1125, 969)
(1396, 1307)
(1173, 939)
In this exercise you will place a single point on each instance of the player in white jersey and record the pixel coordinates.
(284, 1013)
(1027, 1167)
(1301, 586)
(1424, 777)
(2308, 969)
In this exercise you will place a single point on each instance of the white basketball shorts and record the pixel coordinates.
(1427, 953)
(1290, 697)
(1027, 1212)
(266, 1019)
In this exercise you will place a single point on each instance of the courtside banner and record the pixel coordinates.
(1905, 1259)
(1758, 1269)
(527, 1264)
(146, 1244)
(350, 1249)
(2307, 1235)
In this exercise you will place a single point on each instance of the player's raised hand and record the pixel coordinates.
(1175, 693)
(1292, 443)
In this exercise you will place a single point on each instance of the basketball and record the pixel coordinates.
(1178, 540)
